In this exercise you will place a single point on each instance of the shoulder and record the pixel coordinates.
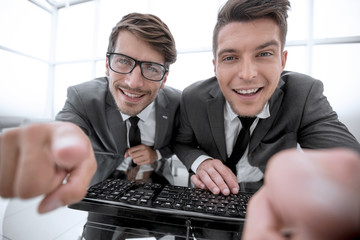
(92, 92)
(171, 93)
(295, 79)
(201, 88)
(88, 89)
(298, 84)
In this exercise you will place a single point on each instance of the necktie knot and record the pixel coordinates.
(246, 122)
(134, 120)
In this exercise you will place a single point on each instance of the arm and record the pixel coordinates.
(309, 195)
(211, 173)
(186, 146)
(36, 159)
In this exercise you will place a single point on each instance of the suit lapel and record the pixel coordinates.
(215, 108)
(116, 124)
(162, 119)
(264, 125)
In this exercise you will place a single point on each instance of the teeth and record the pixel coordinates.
(249, 91)
(131, 95)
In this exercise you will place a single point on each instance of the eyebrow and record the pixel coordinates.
(267, 44)
(262, 46)
(226, 50)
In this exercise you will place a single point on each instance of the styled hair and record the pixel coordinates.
(150, 29)
(248, 10)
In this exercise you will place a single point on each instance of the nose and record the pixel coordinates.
(247, 69)
(135, 79)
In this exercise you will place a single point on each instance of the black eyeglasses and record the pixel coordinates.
(123, 64)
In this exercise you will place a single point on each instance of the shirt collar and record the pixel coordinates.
(229, 113)
(143, 115)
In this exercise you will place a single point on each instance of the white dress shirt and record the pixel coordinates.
(232, 124)
(146, 124)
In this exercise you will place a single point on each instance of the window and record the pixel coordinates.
(24, 52)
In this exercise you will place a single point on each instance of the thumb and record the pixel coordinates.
(126, 153)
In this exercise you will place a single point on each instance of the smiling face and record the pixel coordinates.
(248, 64)
(132, 92)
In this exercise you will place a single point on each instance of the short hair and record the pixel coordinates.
(150, 29)
(247, 10)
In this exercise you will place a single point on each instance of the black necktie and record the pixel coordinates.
(241, 144)
(134, 134)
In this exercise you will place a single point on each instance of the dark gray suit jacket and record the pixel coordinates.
(300, 113)
(91, 106)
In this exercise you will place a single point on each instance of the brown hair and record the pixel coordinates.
(247, 10)
(150, 29)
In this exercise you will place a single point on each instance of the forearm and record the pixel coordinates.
(187, 154)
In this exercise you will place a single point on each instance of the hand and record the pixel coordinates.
(311, 195)
(142, 154)
(36, 159)
(212, 174)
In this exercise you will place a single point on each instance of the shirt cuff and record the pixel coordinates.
(198, 161)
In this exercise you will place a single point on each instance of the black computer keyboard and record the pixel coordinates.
(115, 196)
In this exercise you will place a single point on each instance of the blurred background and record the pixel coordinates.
(48, 45)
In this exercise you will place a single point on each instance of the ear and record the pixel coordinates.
(214, 64)
(283, 59)
(107, 67)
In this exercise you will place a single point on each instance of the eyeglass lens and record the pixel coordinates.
(125, 64)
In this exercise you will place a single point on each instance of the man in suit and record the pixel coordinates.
(140, 51)
(285, 109)
(91, 134)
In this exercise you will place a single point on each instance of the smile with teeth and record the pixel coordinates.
(247, 92)
(132, 95)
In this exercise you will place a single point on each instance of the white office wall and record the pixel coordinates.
(81, 40)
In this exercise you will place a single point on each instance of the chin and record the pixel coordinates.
(131, 109)
(128, 110)
(249, 112)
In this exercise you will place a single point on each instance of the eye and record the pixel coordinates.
(151, 67)
(125, 61)
(228, 59)
(265, 54)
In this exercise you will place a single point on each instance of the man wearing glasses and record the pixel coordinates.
(141, 49)
(94, 137)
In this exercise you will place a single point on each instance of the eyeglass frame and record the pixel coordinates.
(137, 62)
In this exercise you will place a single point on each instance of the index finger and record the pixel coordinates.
(228, 178)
